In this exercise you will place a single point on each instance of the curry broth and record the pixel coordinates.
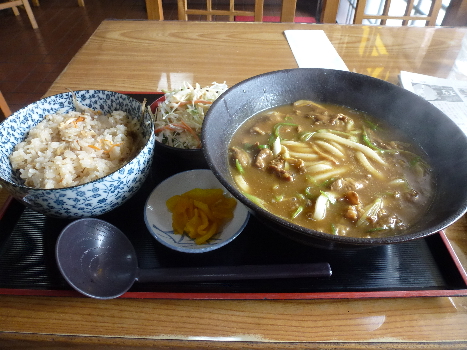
(334, 170)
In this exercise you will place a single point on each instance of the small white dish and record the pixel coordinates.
(158, 218)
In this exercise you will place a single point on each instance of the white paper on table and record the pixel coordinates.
(312, 49)
(449, 96)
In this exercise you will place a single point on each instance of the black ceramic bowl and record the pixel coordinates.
(442, 140)
(186, 158)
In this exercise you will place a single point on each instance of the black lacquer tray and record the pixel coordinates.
(424, 267)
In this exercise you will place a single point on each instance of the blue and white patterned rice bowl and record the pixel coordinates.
(93, 198)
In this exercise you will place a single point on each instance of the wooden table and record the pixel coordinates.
(150, 56)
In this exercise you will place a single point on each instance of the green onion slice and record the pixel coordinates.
(279, 125)
(329, 196)
(297, 212)
(239, 166)
(369, 143)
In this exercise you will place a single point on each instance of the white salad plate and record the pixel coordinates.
(158, 218)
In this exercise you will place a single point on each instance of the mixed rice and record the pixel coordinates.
(75, 148)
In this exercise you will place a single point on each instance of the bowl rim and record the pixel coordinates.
(150, 141)
(321, 236)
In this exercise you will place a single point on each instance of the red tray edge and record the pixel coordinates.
(248, 296)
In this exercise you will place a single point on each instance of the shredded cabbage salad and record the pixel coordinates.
(179, 118)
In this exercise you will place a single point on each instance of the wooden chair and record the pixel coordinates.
(430, 18)
(154, 9)
(287, 11)
(14, 6)
(4, 106)
(328, 11)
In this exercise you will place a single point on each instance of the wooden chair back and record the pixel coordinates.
(4, 106)
(154, 9)
(14, 6)
(405, 17)
(287, 10)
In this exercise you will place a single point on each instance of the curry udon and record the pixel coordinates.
(331, 169)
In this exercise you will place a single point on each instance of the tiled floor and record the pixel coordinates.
(31, 60)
